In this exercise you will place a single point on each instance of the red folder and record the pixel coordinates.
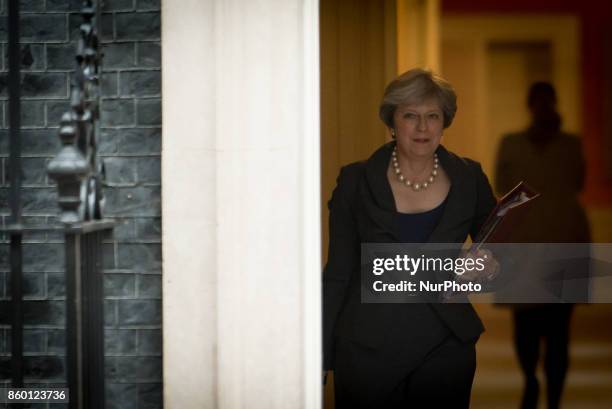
(508, 213)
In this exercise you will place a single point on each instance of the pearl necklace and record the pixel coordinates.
(415, 186)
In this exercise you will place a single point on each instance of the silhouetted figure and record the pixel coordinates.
(551, 161)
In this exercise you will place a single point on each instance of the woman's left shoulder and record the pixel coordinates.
(461, 163)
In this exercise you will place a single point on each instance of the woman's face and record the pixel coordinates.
(418, 128)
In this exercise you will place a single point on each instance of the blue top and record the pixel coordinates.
(417, 227)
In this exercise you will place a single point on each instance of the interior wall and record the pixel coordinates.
(511, 69)
(357, 59)
(594, 106)
(504, 54)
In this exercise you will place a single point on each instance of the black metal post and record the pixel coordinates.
(14, 80)
(85, 314)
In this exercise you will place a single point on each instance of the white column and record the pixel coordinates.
(240, 171)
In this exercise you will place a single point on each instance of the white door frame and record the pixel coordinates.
(241, 204)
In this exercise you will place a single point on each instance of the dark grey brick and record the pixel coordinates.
(32, 56)
(43, 27)
(4, 88)
(121, 395)
(119, 285)
(120, 170)
(33, 221)
(61, 56)
(138, 26)
(56, 341)
(148, 4)
(141, 257)
(139, 312)
(140, 83)
(134, 368)
(64, 5)
(149, 112)
(149, 169)
(5, 370)
(40, 200)
(5, 312)
(119, 341)
(40, 142)
(33, 340)
(108, 254)
(109, 86)
(44, 312)
(119, 55)
(44, 85)
(33, 285)
(149, 285)
(150, 396)
(150, 342)
(57, 236)
(31, 5)
(32, 113)
(117, 5)
(124, 229)
(149, 54)
(133, 201)
(110, 312)
(56, 285)
(43, 367)
(106, 26)
(34, 171)
(55, 110)
(148, 228)
(4, 252)
(43, 257)
(117, 112)
(130, 141)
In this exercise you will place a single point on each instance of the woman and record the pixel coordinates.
(409, 190)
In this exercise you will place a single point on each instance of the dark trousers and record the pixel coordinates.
(442, 378)
(550, 322)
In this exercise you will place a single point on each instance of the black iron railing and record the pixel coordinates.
(79, 181)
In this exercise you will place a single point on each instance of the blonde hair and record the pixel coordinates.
(414, 87)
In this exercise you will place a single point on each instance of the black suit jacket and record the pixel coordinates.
(362, 209)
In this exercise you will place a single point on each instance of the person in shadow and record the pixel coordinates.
(550, 161)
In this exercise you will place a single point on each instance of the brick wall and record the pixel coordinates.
(131, 149)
